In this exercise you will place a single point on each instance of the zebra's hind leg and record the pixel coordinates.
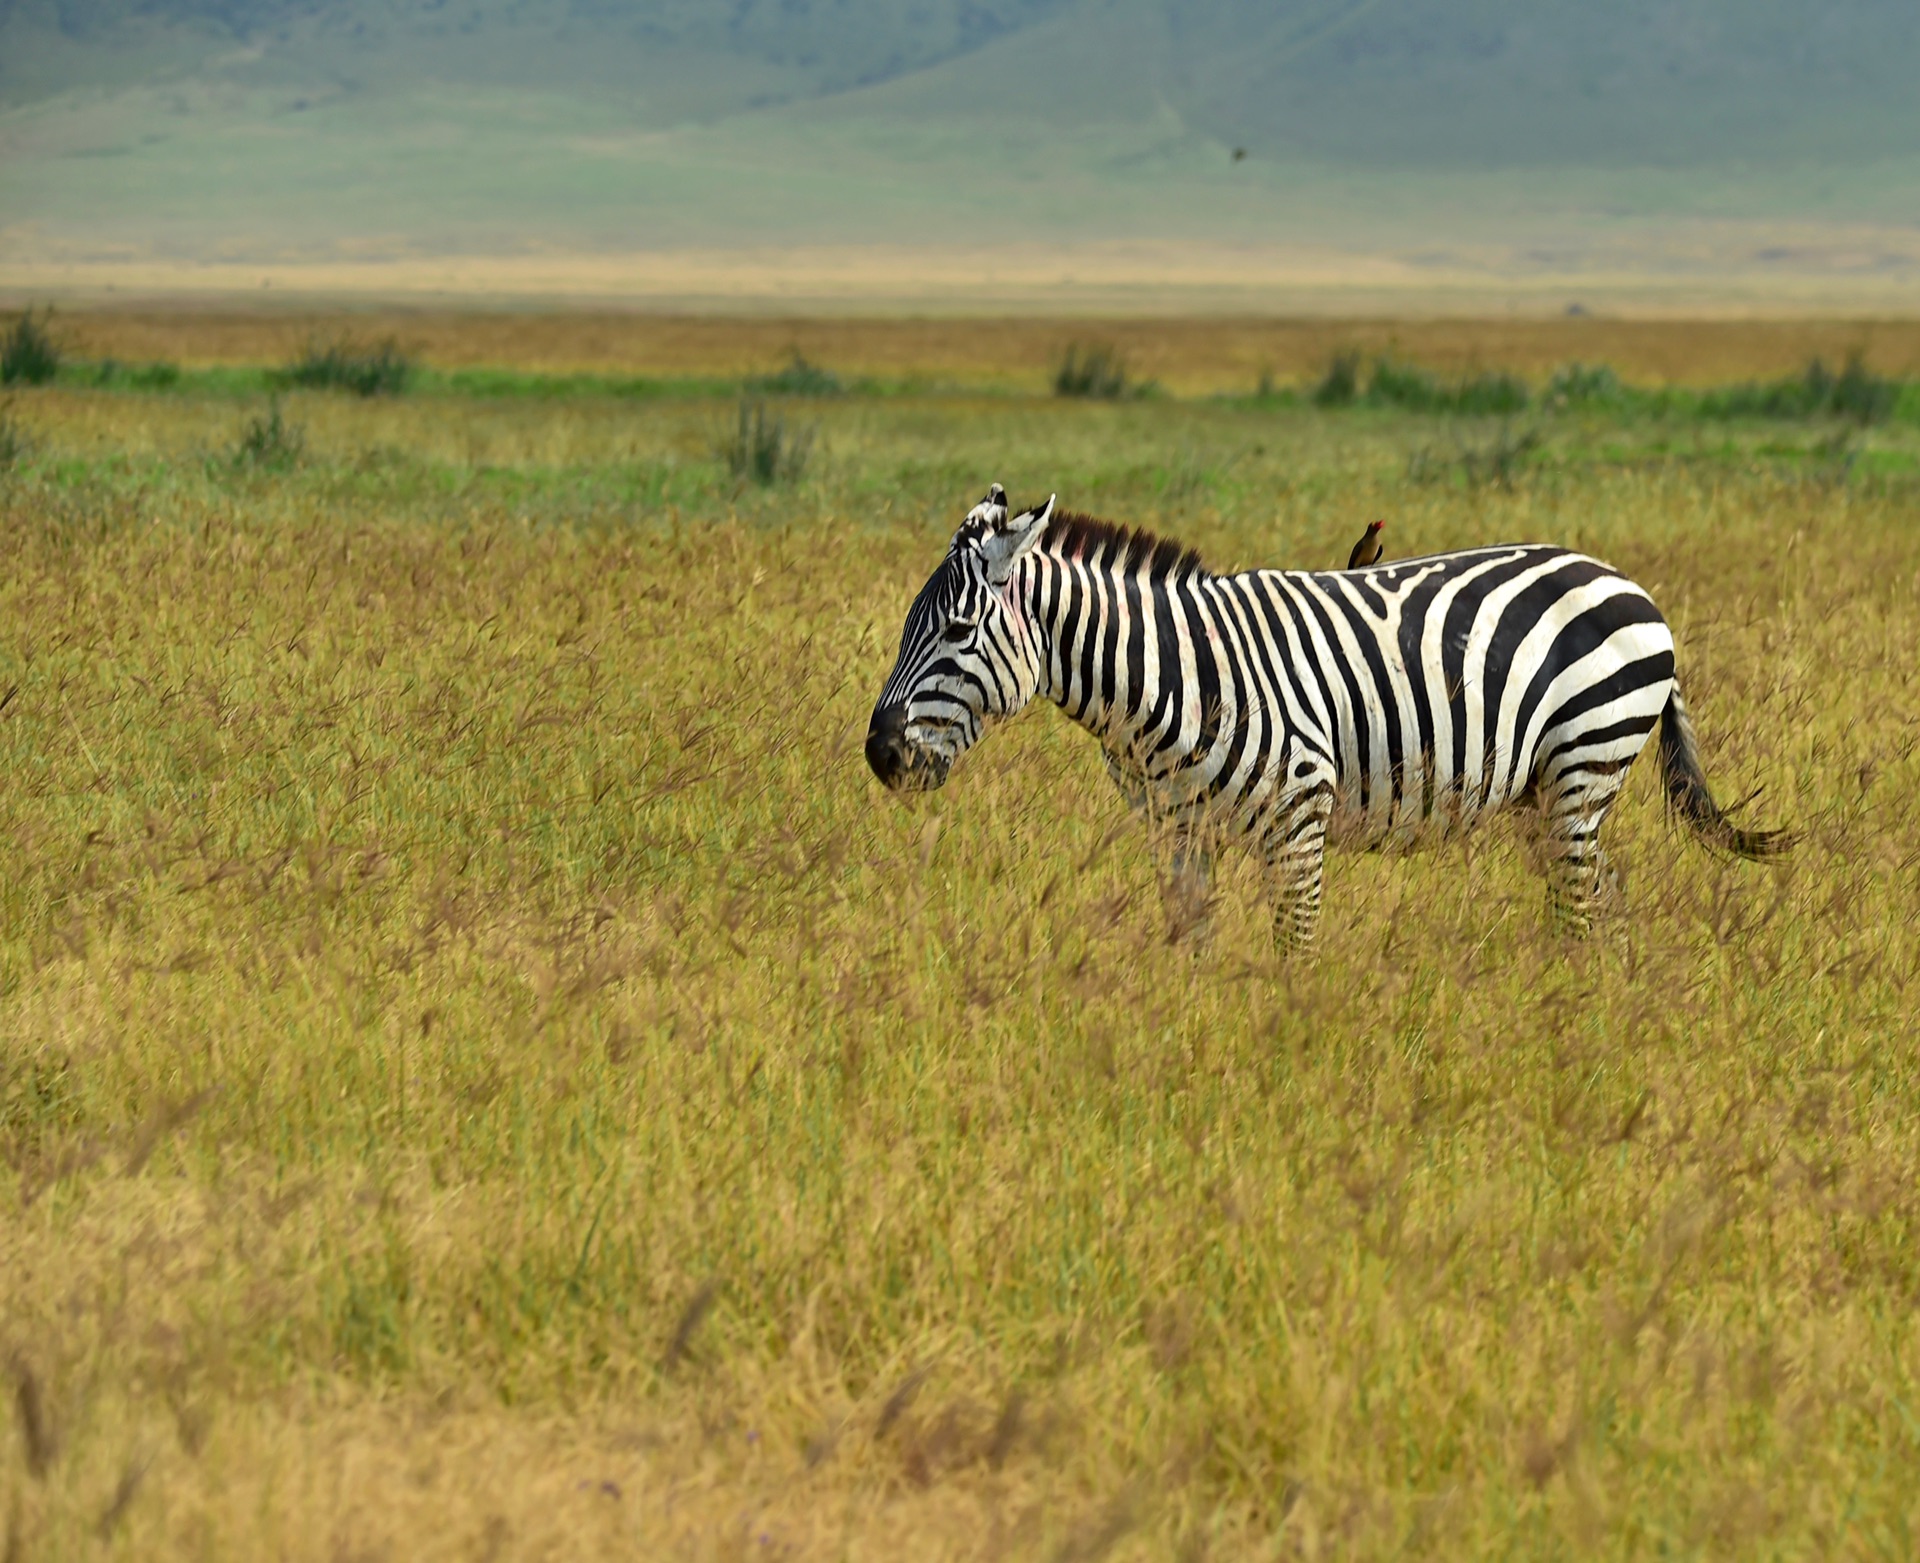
(1580, 881)
(1296, 853)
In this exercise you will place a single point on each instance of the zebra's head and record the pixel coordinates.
(967, 655)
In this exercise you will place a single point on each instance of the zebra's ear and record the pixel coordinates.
(1014, 539)
(992, 509)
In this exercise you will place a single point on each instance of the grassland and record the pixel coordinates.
(488, 1075)
(1224, 356)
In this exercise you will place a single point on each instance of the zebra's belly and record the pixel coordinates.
(1375, 812)
(1414, 811)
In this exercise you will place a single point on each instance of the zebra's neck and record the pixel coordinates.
(1101, 634)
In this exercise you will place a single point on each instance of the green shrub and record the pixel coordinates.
(364, 368)
(1855, 393)
(799, 378)
(1340, 385)
(269, 443)
(1495, 394)
(1412, 389)
(761, 449)
(1583, 385)
(28, 353)
(1860, 394)
(1404, 386)
(1097, 371)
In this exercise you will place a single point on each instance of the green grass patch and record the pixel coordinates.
(1411, 389)
(1584, 387)
(342, 363)
(798, 378)
(109, 372)
(1853, 393)
(514, 383)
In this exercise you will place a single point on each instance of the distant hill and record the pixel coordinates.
(278, 126)
(1469, 82)
(743, 52)
(1385, 82)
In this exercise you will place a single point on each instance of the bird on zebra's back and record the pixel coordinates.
(1369, 549)
(1284, 707)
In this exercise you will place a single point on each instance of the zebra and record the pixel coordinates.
(1283, 708)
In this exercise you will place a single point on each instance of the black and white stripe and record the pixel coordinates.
(1286, 707)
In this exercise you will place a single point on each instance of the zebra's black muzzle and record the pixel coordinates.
(900, 765)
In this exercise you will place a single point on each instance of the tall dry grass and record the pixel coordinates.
(487, 1074)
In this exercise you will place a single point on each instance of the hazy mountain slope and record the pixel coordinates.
(1393, 82)
(275, 127)
(1382, 82)
(745, 52)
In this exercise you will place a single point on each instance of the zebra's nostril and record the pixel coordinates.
(886, 750)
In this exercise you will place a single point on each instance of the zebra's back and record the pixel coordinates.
(1445, 686)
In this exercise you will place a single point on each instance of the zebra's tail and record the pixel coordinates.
(1687, 793)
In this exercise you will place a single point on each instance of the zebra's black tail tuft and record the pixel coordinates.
(1688, 796)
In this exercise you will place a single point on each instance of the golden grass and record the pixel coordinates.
(1198, 355)
(488, 1075)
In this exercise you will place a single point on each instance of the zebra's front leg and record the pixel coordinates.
(1296, 853)
(1187, 893)
(1128, 777)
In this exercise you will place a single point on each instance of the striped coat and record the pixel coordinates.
(1287, 708)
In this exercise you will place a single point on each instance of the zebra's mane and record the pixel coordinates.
(1072, 535)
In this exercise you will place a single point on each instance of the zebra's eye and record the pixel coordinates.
(957, 631)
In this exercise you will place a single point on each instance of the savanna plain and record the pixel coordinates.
(485, 1073)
